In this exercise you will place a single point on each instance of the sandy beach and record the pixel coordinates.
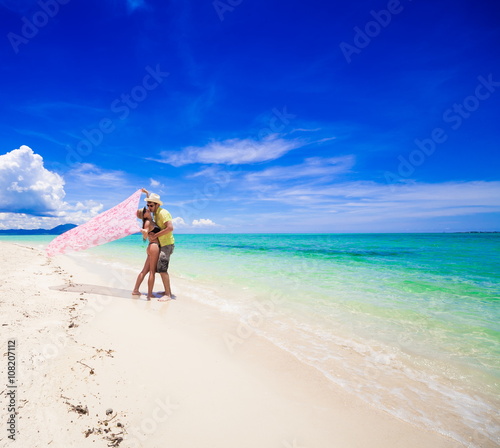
(97, 367)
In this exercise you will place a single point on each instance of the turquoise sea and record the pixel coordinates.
(408, 322)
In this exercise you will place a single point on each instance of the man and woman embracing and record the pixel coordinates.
(158, 228)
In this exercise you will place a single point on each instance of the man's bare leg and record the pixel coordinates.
(166, 284)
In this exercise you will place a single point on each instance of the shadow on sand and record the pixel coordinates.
(100, 290)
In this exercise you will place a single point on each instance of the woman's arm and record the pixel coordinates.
(146, 226)
(145, 191)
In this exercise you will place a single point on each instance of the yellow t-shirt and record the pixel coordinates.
(162, 216)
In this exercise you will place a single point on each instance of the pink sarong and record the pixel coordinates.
(115, 223)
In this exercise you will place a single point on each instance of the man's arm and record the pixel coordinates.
(168, 228)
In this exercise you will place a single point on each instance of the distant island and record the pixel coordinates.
(479, 231)
(55, 231)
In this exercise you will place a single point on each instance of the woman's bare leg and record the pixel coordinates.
(140, 277)
(153, 254)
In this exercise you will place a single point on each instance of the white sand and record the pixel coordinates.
(165, 369)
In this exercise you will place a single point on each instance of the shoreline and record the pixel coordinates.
(165, 368)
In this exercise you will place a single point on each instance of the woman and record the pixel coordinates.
(153, 251)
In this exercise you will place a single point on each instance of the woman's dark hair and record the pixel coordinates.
(144, 210)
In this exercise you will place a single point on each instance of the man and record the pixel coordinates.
(163, 219)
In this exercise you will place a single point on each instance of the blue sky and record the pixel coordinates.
(253, 116)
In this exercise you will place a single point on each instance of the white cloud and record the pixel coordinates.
(74, 214)
(232, 152)
(326, 139)
(93, 176)
(23, 221)
(366, 206)
(179, 223)
(203, 223)
(90, 208)
(371, 201)
(32, 197)
(26, 186)
(305, 130)
(311, 167)
(154, 183)
(210, 171)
